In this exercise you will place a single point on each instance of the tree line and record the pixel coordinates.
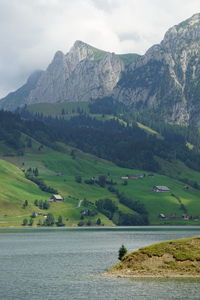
(126, 145)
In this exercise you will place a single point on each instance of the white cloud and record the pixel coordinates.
(32, 31)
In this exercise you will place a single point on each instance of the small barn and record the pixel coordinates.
(135, 176)
(56, 198)
(162, 216)
(161, 188)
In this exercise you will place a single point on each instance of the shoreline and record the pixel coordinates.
(148, 276)
(140, 227)
(101, 228)
(170, 259)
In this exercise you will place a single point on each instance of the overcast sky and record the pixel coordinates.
(31, 31)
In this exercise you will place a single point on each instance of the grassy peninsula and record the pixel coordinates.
(171, 259)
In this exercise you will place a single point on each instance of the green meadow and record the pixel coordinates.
(59, 169)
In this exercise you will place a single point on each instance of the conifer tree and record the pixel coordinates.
(122, 252)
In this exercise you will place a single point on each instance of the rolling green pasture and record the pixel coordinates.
(15, 189)
(58, 170)
(165, 202)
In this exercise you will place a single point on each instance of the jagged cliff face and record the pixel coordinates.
(167, 77)
(82, 74)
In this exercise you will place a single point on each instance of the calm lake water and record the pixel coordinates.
(66, 264)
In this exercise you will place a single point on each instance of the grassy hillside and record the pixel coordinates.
(178, 169)
(147, 129)
(179, 258)
(67, 110)
(168, 203)
(76, 176)
(129, 58)
(15, 189)
(64, 109)
(59, 170)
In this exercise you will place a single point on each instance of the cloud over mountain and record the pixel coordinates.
(31, 31)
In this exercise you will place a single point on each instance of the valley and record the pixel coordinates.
(105, 132)
(99, 150)
(60, 171)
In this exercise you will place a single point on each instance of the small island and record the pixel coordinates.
(171, 259)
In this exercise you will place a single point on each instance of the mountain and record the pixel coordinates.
(167, 78)
(82, 74)
(164, 82)
(19, 97)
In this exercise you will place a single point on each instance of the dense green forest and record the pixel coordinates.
(123, 143)
(33, 142)
(118, 139)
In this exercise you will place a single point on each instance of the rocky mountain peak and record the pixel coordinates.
(167, 77)
(84, 73)
(81, 51)
(58, 55)
(186, 32)
(80, 44)
(194, 20)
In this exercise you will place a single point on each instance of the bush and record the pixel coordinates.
(25, 222)
(42, 204)
(78, 179)
(25, 204)
(81, 223)
(33, 215)
(60, 222)
(122, 252)
(102, 181)
(89, 181)
(88, 223)
(107, 207)
(49, 220)
(98, 222)
(31, 222)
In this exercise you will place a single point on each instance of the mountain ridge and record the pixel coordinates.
(167, 77)
(84, 73)
(19, 97)
(165, 80)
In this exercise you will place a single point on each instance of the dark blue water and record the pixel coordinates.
(67, 264)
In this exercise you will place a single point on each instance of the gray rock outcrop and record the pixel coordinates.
(167, 77)
(82, 74)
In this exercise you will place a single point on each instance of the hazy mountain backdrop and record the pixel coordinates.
(165, 81)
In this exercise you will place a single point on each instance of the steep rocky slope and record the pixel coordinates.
(82, 74)
(167, 78)
(19, 97)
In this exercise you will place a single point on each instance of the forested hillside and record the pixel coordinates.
(118, 138)
(47, 152)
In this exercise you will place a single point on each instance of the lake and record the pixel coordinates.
(67, 264)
